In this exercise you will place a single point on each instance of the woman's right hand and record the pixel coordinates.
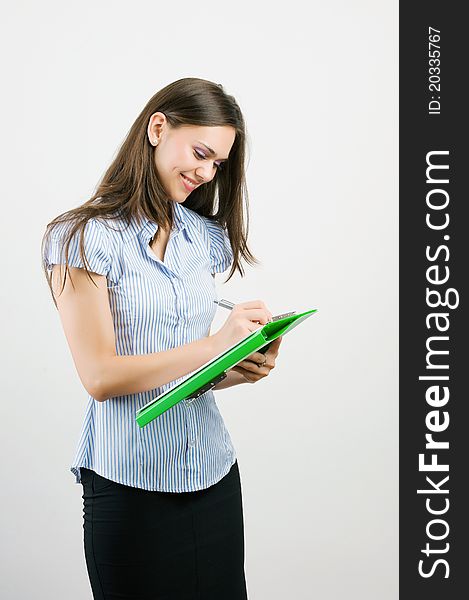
(244, 318)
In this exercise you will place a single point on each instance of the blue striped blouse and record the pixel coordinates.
(156, 305)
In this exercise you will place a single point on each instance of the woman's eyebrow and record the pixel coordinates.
(211, 151)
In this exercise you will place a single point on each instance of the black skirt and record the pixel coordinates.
(142, 545)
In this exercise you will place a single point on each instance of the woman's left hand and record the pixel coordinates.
(249, 367)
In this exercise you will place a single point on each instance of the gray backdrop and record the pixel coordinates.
(317, 439)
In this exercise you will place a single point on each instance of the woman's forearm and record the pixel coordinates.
(132, 374)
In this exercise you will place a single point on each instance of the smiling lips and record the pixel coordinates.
(188, 183)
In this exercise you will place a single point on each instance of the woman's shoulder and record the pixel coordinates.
(92, 227)
(206, 225)
(221, 253)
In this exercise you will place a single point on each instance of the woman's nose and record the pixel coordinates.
(205, 172)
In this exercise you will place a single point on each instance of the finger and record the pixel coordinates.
(257, 357)
(253, 304)
(248, 375)
(274, 346)
(253, 367)
(253, 308)
(258, 314)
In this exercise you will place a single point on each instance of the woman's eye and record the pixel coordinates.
(199, 154)
(203, 157)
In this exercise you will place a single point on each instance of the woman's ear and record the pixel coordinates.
(155, 126)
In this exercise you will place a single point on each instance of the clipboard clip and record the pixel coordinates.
(208, 386)
(282, 316)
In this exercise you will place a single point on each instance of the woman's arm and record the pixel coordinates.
(87, 322)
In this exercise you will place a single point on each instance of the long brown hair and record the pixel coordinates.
(131, 187)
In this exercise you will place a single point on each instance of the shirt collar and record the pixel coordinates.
(181, 219)
(147, 228)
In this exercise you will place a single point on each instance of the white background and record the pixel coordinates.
(316, 440)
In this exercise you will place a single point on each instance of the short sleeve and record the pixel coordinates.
(221, 254)
(96, 244)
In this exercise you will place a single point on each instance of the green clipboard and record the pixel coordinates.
(211, 373)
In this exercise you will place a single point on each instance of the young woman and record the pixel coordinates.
(131, 272)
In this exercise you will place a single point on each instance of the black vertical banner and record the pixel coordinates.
(434, 269)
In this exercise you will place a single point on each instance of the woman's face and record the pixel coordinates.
(183, 156)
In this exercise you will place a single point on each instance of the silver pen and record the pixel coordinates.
(229, 305)
(225, 304)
